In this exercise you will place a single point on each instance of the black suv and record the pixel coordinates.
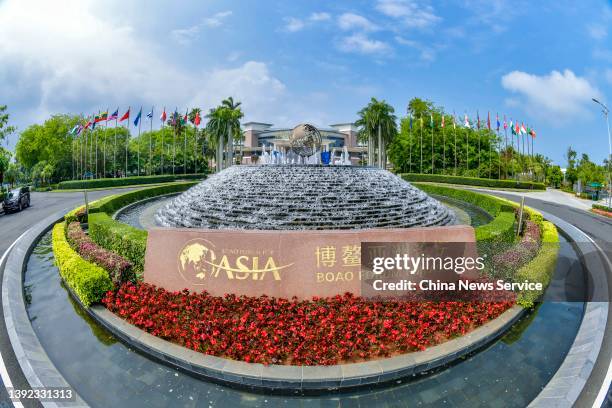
(16, 200)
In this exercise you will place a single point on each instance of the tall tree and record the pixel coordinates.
(5, 129)
(5, 158)
(377, 120)
(223, 127)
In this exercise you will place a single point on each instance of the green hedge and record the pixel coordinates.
(126, 181)
(500, 229)
(119, 237)
(88, 281)
(602, 207)
(473, 181)
(113, 203)
(542, 267)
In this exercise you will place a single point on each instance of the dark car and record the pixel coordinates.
(16, 200)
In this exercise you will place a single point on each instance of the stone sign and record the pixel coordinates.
(275, 263)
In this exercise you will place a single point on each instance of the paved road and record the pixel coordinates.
(11, 227)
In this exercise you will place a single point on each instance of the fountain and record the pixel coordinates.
(290, 226)
(282, 194)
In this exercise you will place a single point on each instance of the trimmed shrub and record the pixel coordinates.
(88, 281)
(541, 267)
(473, 181)
(113, 203)
(119, 237)
(126, 181)
(119, 269)
(500, 229)
(602, 207)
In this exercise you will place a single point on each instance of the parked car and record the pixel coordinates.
(16, 200)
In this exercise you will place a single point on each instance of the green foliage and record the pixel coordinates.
(88, 281)
(554, 176)
(5, 157)
(377, 114)
(48, 147)
(113, 203)
(541, 267)
(5, 129)
(126, 181)
(602, 207)
(118, 237)
(473, 181)
(500, 229)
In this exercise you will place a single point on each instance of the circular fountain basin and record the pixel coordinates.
(303, 197)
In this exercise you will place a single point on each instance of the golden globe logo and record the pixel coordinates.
(200, 259)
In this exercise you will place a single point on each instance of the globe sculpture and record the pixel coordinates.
(305, 140)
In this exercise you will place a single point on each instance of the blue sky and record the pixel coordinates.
(316, 61)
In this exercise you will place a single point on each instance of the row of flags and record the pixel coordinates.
(175, 118)
(515, 128)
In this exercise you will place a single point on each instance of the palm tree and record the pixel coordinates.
(377, 119)
(224, 124)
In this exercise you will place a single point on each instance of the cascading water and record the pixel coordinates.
(299, 197)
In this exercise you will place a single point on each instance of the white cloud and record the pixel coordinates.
(558, 96)
(186, 35)
(360, 43)
(351, 21)
(597, 31)
(409, 12)
(79, 61)
(293, 24)
(251, 83)
(320, 16)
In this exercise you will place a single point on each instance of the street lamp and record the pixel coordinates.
(605, 111)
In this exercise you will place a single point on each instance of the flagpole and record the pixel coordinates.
(127, 142)
(467, 145)
(506, 142)
(174, 140)
(421, 143)
(410, 145)
(185, 146)
(96, 136)
(478, 129)
(443, 146)
(138, 140)
(499, 159)
(455, 135)
(150, 145)
(432, 144)
(104, 144)
(162, 144)
(115, 145)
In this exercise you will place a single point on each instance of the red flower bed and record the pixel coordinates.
(119, 268)
(307, 332)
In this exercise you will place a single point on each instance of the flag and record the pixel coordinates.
(442, 123)
(532, 133)
(488, 120)
(88, 124)
(497, 121)
(185, 118)
(421, 120)
(163, 115)
(101, 117)
(137, 120)
(125, 116)
(79, 130)
(466, 122)
(114, 115)
(75, 129)
(517, 129)
(410, 122)
(523, 130)
(431, 120)
(197, 119)
(454, 121)
(150, 114)
(477, 120)
(512, 128)
(505, 123)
